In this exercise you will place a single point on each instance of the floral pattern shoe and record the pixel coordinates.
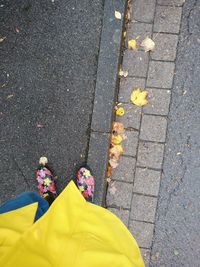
(46, 184)
(85, 183)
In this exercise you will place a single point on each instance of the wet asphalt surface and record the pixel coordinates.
(177, 232)
(48, 65)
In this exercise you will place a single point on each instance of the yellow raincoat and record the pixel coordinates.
(72, 233)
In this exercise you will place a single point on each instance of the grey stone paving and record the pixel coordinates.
(137, 189)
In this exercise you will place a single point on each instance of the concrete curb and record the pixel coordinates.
(105, 94)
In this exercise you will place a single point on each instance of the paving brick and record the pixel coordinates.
(150, 155)
(160, 74)
(147, 181)
(166, 46)
(136, 62)
(143, 10)
(121, 197)
(153, 128)
(167, 19)
(159, 101)
(143, 208)
(130, 144)
(125, 170)
(139, 30)
(131, 119)
(143, 233)
(126, 87)
(123, 215)
(171, 2)
(146, 256)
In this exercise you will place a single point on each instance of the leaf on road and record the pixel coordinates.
(116, 139)
(39, 125)
(118, 15)
(108, 179)
(138, 97)
(10, 96)
(2, 39)
(116, 151)
(118, 128)
(148, 44)
(120, 111)
(109, 171)
(43, 161)
(132, 44)
(123, 73)
(176, 253)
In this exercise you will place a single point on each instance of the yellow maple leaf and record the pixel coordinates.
(138, 97)
(116, 139)
(120, 111)
(132, 44)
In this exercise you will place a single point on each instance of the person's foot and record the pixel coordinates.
(46, 184)
(85, 183)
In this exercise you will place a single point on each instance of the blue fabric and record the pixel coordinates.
(24, 200)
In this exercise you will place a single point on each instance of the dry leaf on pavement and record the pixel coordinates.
(108, 179)
(118, 15)
(109, 171)
(132, 44)
(116, 151)
(118, 128)
(138, 97)
(123, 73)
(148, 44)
(2, 39)
(10, 96)
(113, 163)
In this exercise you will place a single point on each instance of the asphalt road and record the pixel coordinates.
(48, 68)
(177, 232)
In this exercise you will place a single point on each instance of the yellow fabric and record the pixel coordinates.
(74, 233)
(13, 224)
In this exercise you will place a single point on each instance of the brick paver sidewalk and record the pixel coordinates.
(137, 178)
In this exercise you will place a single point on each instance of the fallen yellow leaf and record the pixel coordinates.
(118, 15)
(148, 44)
(120, 111)
(138, 97)
(116, 139)
(132, 44)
